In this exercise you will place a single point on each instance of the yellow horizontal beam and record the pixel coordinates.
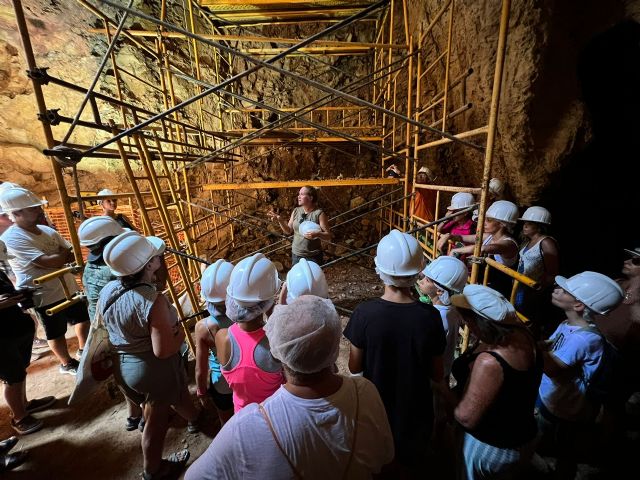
(277, 140)
(297, 3)
(254, 38)
(348, 182)
(470, 133)
(284, 14)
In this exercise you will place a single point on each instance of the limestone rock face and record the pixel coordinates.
(542, 119)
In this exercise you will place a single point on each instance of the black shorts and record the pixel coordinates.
(55, 326)
(15, 355)
(222, 401)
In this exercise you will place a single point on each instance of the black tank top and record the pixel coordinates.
(509, 421)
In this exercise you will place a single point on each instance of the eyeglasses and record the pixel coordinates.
(303, 216)
(635, 261)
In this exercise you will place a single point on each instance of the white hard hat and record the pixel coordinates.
(503, 210)
(308, 226)
(17, 198)
(461, 200)
(4, 254)
(486, 302)
(496, 186)
(95, 229)
(536, 214)
(215, 280)
(105, 192)
(449, 272)
(129, 252)
(253, 280)
(306, 278)
(597, 291)
(5, 185)
(399, 254)
(427, 172)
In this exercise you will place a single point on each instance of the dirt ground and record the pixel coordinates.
(88, 440)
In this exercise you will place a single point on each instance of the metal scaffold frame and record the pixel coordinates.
(189, 152)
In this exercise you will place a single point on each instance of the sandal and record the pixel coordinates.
(170, 468)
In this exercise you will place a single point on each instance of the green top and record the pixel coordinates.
(301, 246)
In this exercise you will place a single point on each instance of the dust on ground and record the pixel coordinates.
(89, 440)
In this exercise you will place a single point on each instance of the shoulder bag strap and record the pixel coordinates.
(275, 438)
(113, 299)
(355, 430)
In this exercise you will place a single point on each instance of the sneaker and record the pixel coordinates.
(7, 445)
(78, 354)
(39, 404)
(70, 368)
(132, 423)
(27, 425)
(40, 343)
(194, 425)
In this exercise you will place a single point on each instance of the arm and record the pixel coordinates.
(56, 260)
(481, 391)
(286, 227)
(550, 259)
(325, 234)
(223, 348)
(10, 299)
(203, 343)
(166, 334)
(554, 367)
(437, 369)
(282, 298)
(356, 359)
(508, 249)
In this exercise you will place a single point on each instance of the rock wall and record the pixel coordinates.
(554, 116)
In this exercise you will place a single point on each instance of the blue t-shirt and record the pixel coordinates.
(220, 320)
(581, 349)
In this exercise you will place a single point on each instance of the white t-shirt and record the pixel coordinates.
(582, 350)
(451, 321)
(316, 434)
(26, 247)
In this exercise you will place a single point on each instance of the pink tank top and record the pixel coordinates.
(250, 383)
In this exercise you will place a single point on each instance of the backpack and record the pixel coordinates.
(607, 382)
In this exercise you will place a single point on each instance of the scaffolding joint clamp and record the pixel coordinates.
(39, 75)
(50, 117)
(478, 260)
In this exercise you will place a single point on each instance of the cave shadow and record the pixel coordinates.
(63, 458)
(595, 198)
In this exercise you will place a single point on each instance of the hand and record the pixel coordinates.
(273, 215)
(311, 235)
(205, 402)
(8, 300)
(442, 241)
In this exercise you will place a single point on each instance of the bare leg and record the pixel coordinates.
(82, 332)
(14, 396)
(155, 430)
(224, 416)
(135, 410)
(60, 350)
(185, 407)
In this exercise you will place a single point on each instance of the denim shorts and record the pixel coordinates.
(156, 380)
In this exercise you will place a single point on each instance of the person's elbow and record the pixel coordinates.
(465, 418)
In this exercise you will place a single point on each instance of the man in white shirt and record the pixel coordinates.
(39, 250)
(318, 425)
